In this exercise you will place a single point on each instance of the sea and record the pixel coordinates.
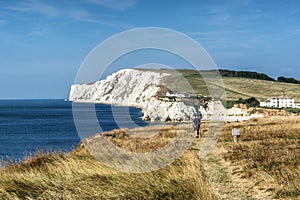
(29, 126)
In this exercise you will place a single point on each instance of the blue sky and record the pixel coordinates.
(43, 43)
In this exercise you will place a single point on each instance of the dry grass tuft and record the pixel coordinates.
(268, 148)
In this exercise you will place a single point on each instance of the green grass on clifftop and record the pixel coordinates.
(235, 87)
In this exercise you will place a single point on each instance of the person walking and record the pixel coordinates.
(196, 124)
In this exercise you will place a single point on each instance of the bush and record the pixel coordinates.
(287, 80)
(250, 102)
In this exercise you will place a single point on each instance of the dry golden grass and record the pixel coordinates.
(135, 141)
(268, 152)
(78, 175)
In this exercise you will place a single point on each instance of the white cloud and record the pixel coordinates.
(115, 4)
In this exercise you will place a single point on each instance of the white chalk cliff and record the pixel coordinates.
(138, 88)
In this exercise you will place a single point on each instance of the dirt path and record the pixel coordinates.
(220, 179)
(217, 173)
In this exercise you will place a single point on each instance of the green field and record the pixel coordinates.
(191, 81)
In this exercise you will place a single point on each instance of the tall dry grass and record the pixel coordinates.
(78, 175)
(268, 152)
(269, 149)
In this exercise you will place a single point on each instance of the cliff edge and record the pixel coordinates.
(138, 88)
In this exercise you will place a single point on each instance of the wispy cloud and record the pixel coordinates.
(115, 4)
(245, 45)
(86, 16)
(41, 31)
(81, 15)
(226, 39)
(218, 32)
(293, 31)
(3, 21)
(35, 6)
(70, 12)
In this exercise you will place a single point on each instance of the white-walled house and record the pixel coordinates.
(278, 102)
(174, 94)
(297, 105)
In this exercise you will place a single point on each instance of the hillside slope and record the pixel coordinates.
(236, 87)
(260, 89)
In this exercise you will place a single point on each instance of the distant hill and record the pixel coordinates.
(238, 84)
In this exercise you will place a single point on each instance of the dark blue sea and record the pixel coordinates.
(47, 125)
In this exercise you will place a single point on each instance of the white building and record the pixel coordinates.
(278, 102)
(297, 105)
(179, 95)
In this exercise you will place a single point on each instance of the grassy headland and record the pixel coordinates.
(191, 81)
(264, 164)
(236, 87)
(78, 175)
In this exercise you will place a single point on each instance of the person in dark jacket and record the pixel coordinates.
(196, 124)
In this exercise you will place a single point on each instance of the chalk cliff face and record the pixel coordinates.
(127, 87)
(138, 88)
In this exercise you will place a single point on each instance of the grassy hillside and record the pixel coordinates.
(235, 87)
(260, 89)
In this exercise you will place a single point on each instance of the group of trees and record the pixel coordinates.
(255, 75)
(287, 80)
(245, 74)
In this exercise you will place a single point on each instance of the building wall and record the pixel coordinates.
(278, 103)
